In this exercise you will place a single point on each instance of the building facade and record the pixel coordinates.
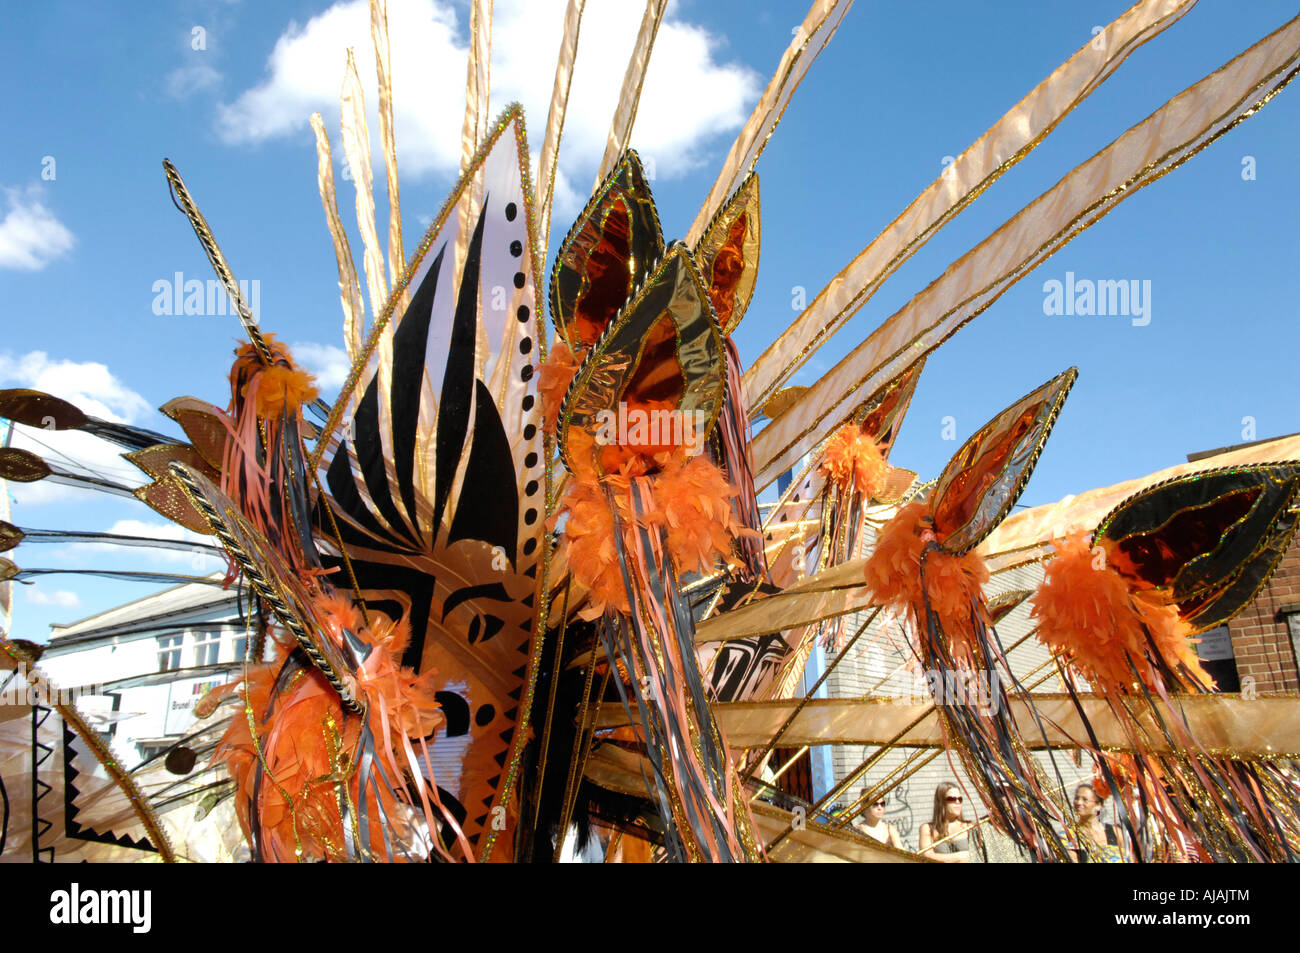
(138, 669)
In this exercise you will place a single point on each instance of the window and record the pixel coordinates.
(169, 652)
(241, 648)
(207, 648)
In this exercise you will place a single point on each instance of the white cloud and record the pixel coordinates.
(88, 384)
(675, 122)
(330, 364)
(185, 81)
(63, 598)
(94, 389)
(30, 235)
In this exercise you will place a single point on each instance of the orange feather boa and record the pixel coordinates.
(691, 505)
(554, 378)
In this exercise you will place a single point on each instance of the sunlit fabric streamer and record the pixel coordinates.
(810, 38)
(356, 146)
(1008, 141)
(548, 160)
(354, 307)
(384, 76)
(629, 97)
(475, 128)
(1151, 149)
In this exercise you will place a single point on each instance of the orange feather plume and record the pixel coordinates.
(953, 584)
(297, 814)
(1089, 615)
(590, 549)
(852, 460)
(305, 740)
(693, 504)
(272, 389)
(554, 378)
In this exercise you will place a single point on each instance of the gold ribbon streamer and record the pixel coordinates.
(1148, 151)
(617, 769)
(1008, 141)
(354, 308)
(629, 98)
(548, 161)
(478, 81)
(384, 75)
(810, 38)
(356, 145)
(1267, 726)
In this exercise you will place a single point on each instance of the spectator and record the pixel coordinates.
(946, 838)
(874, 826)
(1091, 841)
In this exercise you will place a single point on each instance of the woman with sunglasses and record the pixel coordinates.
(873, 825)
(946, 838)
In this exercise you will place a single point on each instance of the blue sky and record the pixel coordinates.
(106, 92)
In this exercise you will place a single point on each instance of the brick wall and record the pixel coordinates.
(1261, 641)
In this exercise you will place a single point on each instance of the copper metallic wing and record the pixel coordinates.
(664, 348)
(985, 477)
(1208, 541)
(727, 254)
(881, 415)
(609, 251)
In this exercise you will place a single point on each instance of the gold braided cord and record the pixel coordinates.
(218, 261)
(266, 588)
